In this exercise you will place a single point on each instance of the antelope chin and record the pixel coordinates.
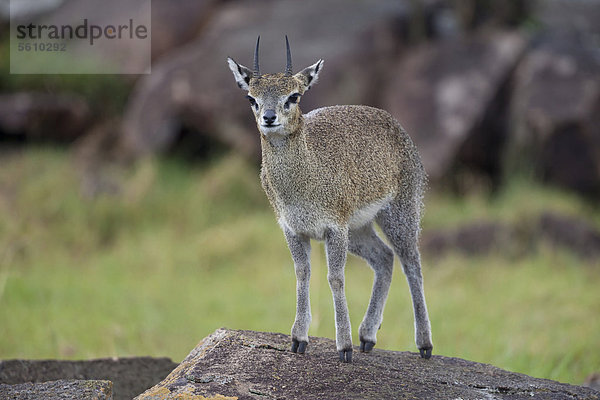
(268, 130)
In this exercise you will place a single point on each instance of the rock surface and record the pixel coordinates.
(62, 389)
(446, 95)
(571, 233)
(43, 116)
(193, 87)
(244, 365)
(578, 235)
(130, 376)
(475, 238)
(554, 116)
(173, 22)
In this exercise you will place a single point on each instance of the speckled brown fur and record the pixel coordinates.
(343, 158)
(329, 175)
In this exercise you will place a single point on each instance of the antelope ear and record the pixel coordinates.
(310, 74)
(241, 74)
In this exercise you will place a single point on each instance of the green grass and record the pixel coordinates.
(187, 249)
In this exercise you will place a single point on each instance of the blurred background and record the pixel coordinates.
(132, 221)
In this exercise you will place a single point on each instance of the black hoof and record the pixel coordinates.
(298, 347)
(425, 353)
(346, 355)
(366, 347)
(302, 347)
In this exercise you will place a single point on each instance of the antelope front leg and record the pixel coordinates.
(336, 247)
(300, 249)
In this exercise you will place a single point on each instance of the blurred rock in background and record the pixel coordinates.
(26, 7)
(193, 86)
(450, 96)
(516, 239)
(555, 114)
(174, 22)
(43, 117)
(486, 89)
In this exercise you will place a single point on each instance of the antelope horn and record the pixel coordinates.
(288, 68)
(256, 72)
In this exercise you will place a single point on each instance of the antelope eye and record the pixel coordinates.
(252, 101)
(293, 99)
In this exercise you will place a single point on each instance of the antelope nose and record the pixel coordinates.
(269, 116)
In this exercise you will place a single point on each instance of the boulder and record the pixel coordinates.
(555, 114)
(193, 87)
(572, 233)
(26, 8)
(56, 390)
(559, 231)
(475, 238)
(473, 14)
(30, 116)
(568, 16)
(448, 95)
(130, 376)
(174, 22)
(593, 381)
(245, 365)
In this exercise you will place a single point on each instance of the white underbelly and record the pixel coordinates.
(303, 221)
(366, 214)
(314, 223)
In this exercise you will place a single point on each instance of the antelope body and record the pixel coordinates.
(329, 175)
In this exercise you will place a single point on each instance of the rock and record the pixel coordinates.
(33, 116)
(555, 114)
(568, 16)
(448, 96)
(473, 14)
(26, 8)
(593, 381)
(55, 390)
(115, 56)
(573, 233)
(174, 22)
(471, 239)
(130, 376)
(193, 87)
(244, 365)
(569, 233)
